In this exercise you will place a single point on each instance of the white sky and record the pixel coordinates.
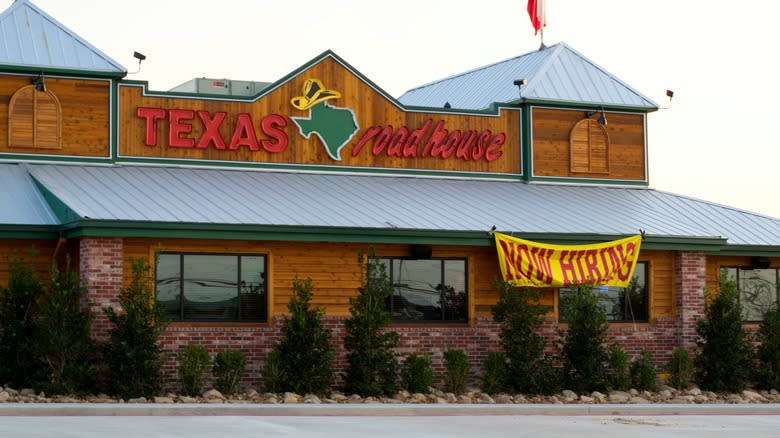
(717, 142)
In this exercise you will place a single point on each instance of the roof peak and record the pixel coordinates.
(34, 39)
(487, 66)
(556, 73)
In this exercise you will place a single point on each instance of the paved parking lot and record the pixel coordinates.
(378, 421)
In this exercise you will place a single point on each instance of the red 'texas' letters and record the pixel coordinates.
(180, 129)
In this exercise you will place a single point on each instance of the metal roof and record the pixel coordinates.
(32, 38)
(217, 196)
(556, 74)
(20, 201)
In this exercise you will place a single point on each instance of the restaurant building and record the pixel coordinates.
(244, 186)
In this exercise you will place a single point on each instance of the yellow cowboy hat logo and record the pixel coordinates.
(313, 93)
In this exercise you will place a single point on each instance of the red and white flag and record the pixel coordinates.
(536, 12)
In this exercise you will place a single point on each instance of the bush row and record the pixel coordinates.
(45, 344)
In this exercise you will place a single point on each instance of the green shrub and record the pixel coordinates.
(724, 359)
(520, 317)
(643, 372)
(456, 365)
(680, 369)
(194, 360)
(63, 346)
(272, 371)
(229, 365)
(618, 373)
(584, 355)
(494, 379)
(305, 350)
(768, 354)
(372, 367)
(416, 373)
(18, 364)
(133, 354)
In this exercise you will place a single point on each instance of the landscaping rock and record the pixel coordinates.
(619, 397)
(290, 398)
(569, 395)
(504, 399)
(4, 397)
(311, 399)
(213, 394)
(163, 400)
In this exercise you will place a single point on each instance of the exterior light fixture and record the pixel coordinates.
(140, 57)
(602, 120)
(40, 84)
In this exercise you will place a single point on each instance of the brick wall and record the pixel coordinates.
(256, 342)
(477, 340)
(690, 281)
(100, 269)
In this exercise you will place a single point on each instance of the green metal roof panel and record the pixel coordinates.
(243, 197)
(555, 74)
(32, 38)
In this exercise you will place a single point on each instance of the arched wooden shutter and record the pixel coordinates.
(34, 119)
(589, 146)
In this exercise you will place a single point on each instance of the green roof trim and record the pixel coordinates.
(322, 168)
(34, 232)
(12, 68)
(64, 213)
(103, 228)
(586, 106)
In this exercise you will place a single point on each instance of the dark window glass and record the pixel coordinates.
(201, 287)
(621, 304)
(758, 290)
(427, 290)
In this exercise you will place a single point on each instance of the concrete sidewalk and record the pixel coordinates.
(379, 410)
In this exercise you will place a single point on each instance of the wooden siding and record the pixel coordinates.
(552, 154)
(39, 252)
(85, 115)
(336, 274)
(370, 109)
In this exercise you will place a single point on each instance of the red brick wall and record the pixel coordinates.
(690, 281)
(257, 341)
(100, 269)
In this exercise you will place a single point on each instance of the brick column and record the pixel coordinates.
(100, 267)
(689, 283)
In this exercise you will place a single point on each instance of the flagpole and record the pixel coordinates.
(542, 21)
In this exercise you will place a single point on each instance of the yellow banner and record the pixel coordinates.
(526, 263)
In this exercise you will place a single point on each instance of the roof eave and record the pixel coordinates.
(15, 68)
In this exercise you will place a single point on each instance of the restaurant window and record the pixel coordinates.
(210, 287)
(758, 290)
(427, 290)
(621, 304)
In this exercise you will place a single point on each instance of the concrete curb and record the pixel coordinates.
(380, 410)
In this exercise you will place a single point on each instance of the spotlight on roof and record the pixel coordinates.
(519, 84)
(670, 95)
(140, 57)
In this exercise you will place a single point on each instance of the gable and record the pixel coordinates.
(323, 115)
